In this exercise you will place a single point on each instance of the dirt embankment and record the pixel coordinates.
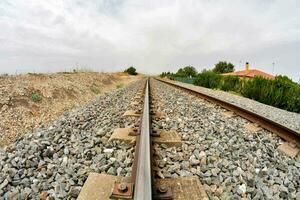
(27, 101)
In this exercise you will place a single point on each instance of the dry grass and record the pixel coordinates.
(27, 101)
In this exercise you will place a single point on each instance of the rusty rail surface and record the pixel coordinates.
(282, 131)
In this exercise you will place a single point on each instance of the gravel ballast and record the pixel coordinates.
(231, 161)
(283, 117)
(55, 161)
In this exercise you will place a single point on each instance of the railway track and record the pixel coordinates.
(157, 143)
(143, 183)
(233, 159)
(148, 181)
(282, 131)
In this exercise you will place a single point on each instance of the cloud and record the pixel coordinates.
(153, 35)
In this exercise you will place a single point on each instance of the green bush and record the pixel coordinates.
(95, 89)
(188, 71)
(36, 97)
(35, 74)
(281, 92)
(189, 80)
(166, 74)
(131, 71)
(208, 79)
(120, 85)
(294, 101)
(254, 88)
(230, 83)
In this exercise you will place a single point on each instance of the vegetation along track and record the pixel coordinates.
(199, 151)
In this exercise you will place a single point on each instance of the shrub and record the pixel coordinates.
(294, 100)
(255, 88)
(208, 79)
(131, 71)
(120, 85)
(36, 97)
(230, 83)
(189, 80)
(166, 74)
(35, 74)
(281, 92)
(95, 89)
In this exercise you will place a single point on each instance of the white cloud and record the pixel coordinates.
(153, 35)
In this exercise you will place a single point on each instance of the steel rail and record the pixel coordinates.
(143, 181)
(282, 131)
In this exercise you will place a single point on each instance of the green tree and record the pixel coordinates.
(223, 67)
(131, 70)
(188, 71)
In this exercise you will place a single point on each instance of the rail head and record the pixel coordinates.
(143, 182)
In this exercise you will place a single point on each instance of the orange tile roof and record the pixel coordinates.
(250, 73)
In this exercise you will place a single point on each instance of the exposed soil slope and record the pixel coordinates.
(27, 101)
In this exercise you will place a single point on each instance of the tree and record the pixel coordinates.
(188, 71)
(166, 74)
(223, 67)
(131, 71)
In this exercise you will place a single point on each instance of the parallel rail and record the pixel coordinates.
(282, 131)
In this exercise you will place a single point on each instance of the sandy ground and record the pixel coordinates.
(27, 101)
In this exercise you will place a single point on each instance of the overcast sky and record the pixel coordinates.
(154, 36)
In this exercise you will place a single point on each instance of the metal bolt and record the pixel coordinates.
(162, 189)
(122, 187)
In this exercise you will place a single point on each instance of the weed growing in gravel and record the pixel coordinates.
(120, 85)
(36, 97)
(95, 89)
